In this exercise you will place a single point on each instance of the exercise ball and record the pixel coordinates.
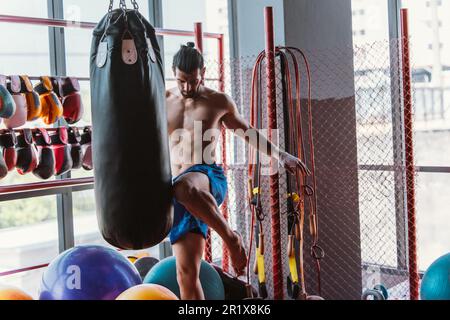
(13, 293)
(164, 273)
(144, 265)
(147, 292)
(436, 280)
(88, 272)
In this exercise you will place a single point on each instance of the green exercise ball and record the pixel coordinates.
(164, 274)
(436, 280)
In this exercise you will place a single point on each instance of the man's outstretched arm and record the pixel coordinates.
(234, 121)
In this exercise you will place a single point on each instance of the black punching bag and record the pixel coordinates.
(133, 187)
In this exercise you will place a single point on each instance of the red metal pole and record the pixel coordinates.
(45, 185)
(409, 160)
(274, 177)
(11, 272)
(91, 25)
(224, 207)
(221, 64)
(198, 34)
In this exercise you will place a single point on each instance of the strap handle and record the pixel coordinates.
(41, 137)
(63, 135)
(27, 136)
(2, 80)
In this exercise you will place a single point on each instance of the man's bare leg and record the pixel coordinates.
(193, 192)
(188, 252)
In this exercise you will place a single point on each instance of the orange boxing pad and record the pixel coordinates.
(52, 108)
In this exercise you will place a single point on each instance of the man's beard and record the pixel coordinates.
(192, 94)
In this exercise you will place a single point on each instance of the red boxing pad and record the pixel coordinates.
(61, 150)
(73, 108)
(8, 141)
(72, 103)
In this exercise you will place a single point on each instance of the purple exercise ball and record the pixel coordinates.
(88, 272)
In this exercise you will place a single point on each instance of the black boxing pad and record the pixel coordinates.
(46, 166)
(74, 139)
(133, 187)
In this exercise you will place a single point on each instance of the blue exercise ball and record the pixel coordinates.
(88, 272)
(164, 273)
(436, 280)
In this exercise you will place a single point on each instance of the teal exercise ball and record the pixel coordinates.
(164, 273)
(436, 280)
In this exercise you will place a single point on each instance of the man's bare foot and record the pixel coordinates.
(237, 254)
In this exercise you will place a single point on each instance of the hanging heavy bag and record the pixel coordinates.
(133, 187)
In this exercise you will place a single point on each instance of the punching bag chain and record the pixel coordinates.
(111, 4)
(135, 5)
(122, 5)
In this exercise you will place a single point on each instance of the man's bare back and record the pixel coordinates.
(198, 115)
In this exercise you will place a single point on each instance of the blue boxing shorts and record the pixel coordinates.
(183, 221)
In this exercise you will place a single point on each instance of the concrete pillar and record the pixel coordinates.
(323, 28)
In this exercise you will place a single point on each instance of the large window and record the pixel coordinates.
(30, 235)
(30, 8)
(430, 54)
(28, 227)
(430, 47)
(93, 11)
(31, 226)
(370, 21)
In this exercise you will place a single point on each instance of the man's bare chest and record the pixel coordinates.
(187, 116)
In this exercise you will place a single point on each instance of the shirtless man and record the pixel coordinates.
(200, 185)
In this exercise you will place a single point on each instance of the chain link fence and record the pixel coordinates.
(359, 134)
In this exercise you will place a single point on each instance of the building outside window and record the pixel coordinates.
(431, 73)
